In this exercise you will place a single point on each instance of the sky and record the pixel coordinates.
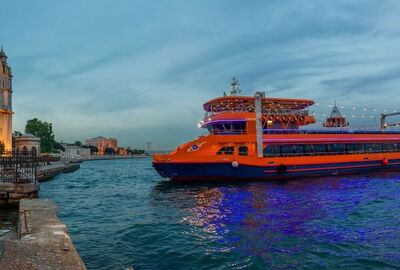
(141, 70)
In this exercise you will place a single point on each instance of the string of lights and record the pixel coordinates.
(359, 116)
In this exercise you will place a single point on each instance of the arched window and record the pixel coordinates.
(24, 149)
(34, 150)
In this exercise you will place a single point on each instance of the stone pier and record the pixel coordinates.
(11, 193)
(49, 171)
(43, 241)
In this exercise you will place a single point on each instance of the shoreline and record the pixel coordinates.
(116, 157)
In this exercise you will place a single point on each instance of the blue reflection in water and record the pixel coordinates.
(121, 214)
(316, 222)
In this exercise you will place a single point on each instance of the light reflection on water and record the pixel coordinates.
(326, 217)
(121, 214)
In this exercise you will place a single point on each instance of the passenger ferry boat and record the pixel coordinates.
(263, 138)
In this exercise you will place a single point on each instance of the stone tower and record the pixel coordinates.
(5, 101)
(336, 119)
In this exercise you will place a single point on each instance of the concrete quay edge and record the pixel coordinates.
(43, 241)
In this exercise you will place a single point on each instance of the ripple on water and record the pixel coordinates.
(121, 214)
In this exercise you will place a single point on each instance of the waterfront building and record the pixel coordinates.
(102, 143)
(122, 151)
(27, 142)
(5, 101)
(72, 151)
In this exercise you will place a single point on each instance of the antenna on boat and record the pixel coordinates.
(235, 87)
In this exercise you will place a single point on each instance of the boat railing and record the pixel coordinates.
(327, 153)
(280, 112)
(230, 132)
(326, 131)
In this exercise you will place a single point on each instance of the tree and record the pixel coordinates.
(58, 146)
(138, 152)
(44, 131)
(135, 151)
(78, 143)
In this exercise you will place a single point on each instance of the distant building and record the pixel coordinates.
(5, 101)
(103, 143)
(122, 151)
(27, 142)
(72, 151)
(336, 119)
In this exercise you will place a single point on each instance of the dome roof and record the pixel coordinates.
(28, 135)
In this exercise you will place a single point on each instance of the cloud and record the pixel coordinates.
(143, 69)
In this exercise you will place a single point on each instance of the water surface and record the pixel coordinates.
(121, 214)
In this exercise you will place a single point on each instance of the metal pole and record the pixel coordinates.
(382, 122)
(259, 130)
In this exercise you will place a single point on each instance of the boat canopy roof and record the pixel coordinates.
(246, 103)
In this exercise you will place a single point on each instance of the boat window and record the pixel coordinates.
(298, 149)
(292, 150)
(333, 149)
(314, 149)
(286, 150)
(239, 127)
(373, 147)
(354, 148)
(272, 151)
(226, 150)
(336, 148)
(243, 150)
(389, 147)
(231, 128)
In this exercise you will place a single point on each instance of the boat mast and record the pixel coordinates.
(235, 87)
